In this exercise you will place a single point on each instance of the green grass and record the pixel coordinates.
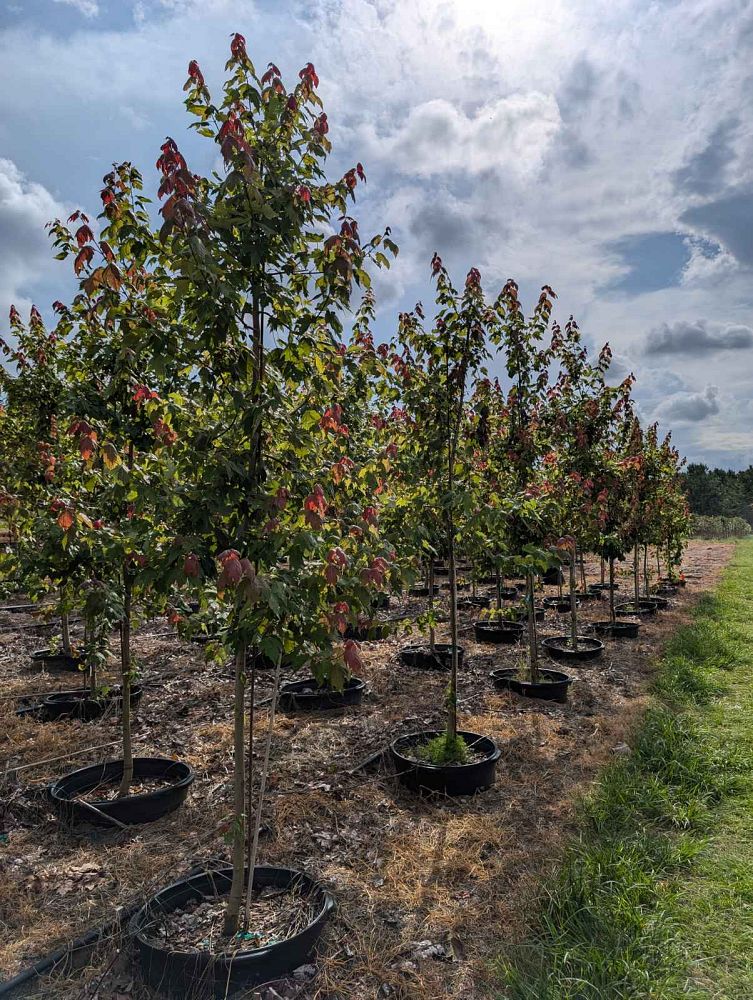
(655, 897)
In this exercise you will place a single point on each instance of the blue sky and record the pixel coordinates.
(601, 146)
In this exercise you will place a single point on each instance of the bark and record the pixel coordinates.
(499, 589)
(125, 682)
(611, 590)
(235, 900)
(431, 603)
(64, 624)
(602, 568)
(636, 577)
(452, 691)
(573, 604)
(250, 686)
(262, 789)
(646, 580)
(533, 652)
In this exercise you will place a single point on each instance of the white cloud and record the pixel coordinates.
(25, 258)
(89, 8)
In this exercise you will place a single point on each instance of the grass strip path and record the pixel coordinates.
(655, 897)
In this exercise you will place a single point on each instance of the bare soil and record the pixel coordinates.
(426, 889)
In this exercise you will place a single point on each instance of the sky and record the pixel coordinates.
(604, 147)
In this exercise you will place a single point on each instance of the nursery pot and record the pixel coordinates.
(422, 591)
(81, 705)
(559, 604)
(662, 603)
(588, 595)
(644, 609)
(508, 593)
(371, 632)
(666, 590)
(520, 613)
(207, 974)
(558, 647)
(310, 696)
(552, 685)
(616, 630)
(422, 657)
(381, 602)
(131, 809)
(474, 602)
(498, 631)
(598, 588)
(57, 660)
(449, 779)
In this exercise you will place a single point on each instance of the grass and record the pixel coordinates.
(655, 897)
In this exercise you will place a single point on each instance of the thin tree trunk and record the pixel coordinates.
(262, 789)
(499, 589)
(235, 900)
(533, 652)
(452, 691)
(612, 615)
(125, 689)
(573, 603)
(250, 686)
(431, 604)
(582, 569)
(646, 582)
(64, 624)
(602, 568)
(473, 579)
(658, 563)
(636, 576)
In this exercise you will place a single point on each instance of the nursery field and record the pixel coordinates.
(429, 890)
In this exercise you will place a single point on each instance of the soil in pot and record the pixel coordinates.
(81, 705)
(466, 777)
(642, 609)
(499, 631)
(179, 932)
(423, 657)
(57, 660)
(559, 647)
(74, 793)
(552, 685)
(616, 630)
(309, 695)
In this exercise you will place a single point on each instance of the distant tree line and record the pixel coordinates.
(719, 492)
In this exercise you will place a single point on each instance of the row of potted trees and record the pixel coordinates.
(198, 437)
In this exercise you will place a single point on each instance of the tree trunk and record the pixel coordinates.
(612, 615)
(452, 690)
(250, 689)
(64, 624)
(573, 603)
(636, 576)
(125, 689)
(646, 580)
(602, 568)
(260, 801)
(533, 652)
(432, 636)
(582, 569)
(235, 900)
(499, 589)
(658, 562)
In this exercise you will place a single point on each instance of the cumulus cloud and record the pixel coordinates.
(704, 171)
(511, 133)
(689, 407)
(89, 8)
(25, 258)
(729, 220)
(698, 338)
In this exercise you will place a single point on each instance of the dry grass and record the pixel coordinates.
(455, 873)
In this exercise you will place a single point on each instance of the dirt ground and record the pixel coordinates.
(426, 889)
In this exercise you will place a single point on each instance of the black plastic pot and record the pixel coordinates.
(131, 809)
(499, 631)
(459, 779)
(559, 604)
(661, 602)
(422, 591)
(554, 577)
(603, 587)
(441, 570)
(485, 581)
(57, 660)
(458, 586)
(80, 705)
(616, 630)
(372, 632)
(423, 658)
(671, 581)
(309, 696)
(644, 609)
(381, 602)
(552, 684)
(204, 974)
(508, 593)
(469, 603)
(588, 595)
(666, 590)
(557, 647)
(19, 609)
